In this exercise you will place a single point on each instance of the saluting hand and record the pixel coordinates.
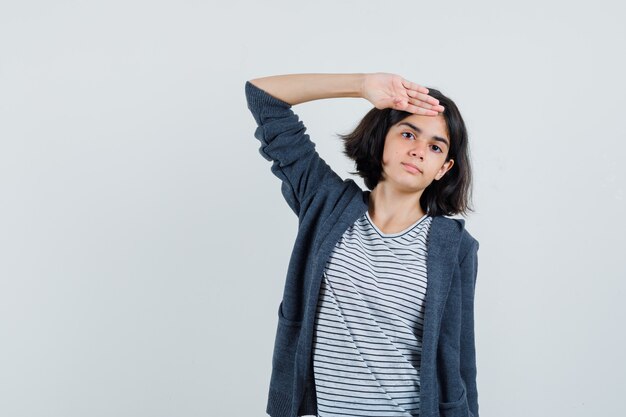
(385, 90)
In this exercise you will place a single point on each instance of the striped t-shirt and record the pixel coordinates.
(368, 329)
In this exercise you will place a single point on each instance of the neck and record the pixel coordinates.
(392, 209)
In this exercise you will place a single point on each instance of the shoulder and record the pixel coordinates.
(455, 226)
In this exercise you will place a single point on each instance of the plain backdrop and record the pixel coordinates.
(144, 240)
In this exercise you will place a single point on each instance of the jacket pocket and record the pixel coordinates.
(284, 359)
(455, 408)
(287, 321)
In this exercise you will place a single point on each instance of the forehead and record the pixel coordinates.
(430, 123)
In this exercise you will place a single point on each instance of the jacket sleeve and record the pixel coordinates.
(469, 273)
(284, 142)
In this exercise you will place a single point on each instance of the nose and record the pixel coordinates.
(418, 151)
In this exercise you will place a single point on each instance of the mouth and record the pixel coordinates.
(411, 168)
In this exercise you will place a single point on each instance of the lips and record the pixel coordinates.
(411, 168)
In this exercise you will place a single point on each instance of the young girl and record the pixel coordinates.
(377, 314)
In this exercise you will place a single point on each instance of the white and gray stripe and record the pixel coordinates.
(368, 328)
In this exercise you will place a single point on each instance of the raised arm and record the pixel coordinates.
(282, 134)
(383, 90)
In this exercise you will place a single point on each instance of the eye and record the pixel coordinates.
(408, 133)
(439, 149)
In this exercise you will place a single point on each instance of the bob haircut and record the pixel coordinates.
(449, 195)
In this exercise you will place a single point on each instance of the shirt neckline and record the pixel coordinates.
(406, 230)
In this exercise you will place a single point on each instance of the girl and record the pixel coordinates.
(377, 313)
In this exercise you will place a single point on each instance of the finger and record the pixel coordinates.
(438, 108)
(420, 110)
(413, 86)
(420, 103)
(423, 97)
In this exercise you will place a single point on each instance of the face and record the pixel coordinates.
(415, 152)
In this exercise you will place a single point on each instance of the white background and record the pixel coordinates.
(144, 241)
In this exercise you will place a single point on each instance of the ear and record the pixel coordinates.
(445, 168)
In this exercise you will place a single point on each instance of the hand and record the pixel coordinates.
(385, 90)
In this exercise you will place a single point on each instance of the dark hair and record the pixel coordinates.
(449, 195)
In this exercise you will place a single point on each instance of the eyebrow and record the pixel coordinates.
(418, 130)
